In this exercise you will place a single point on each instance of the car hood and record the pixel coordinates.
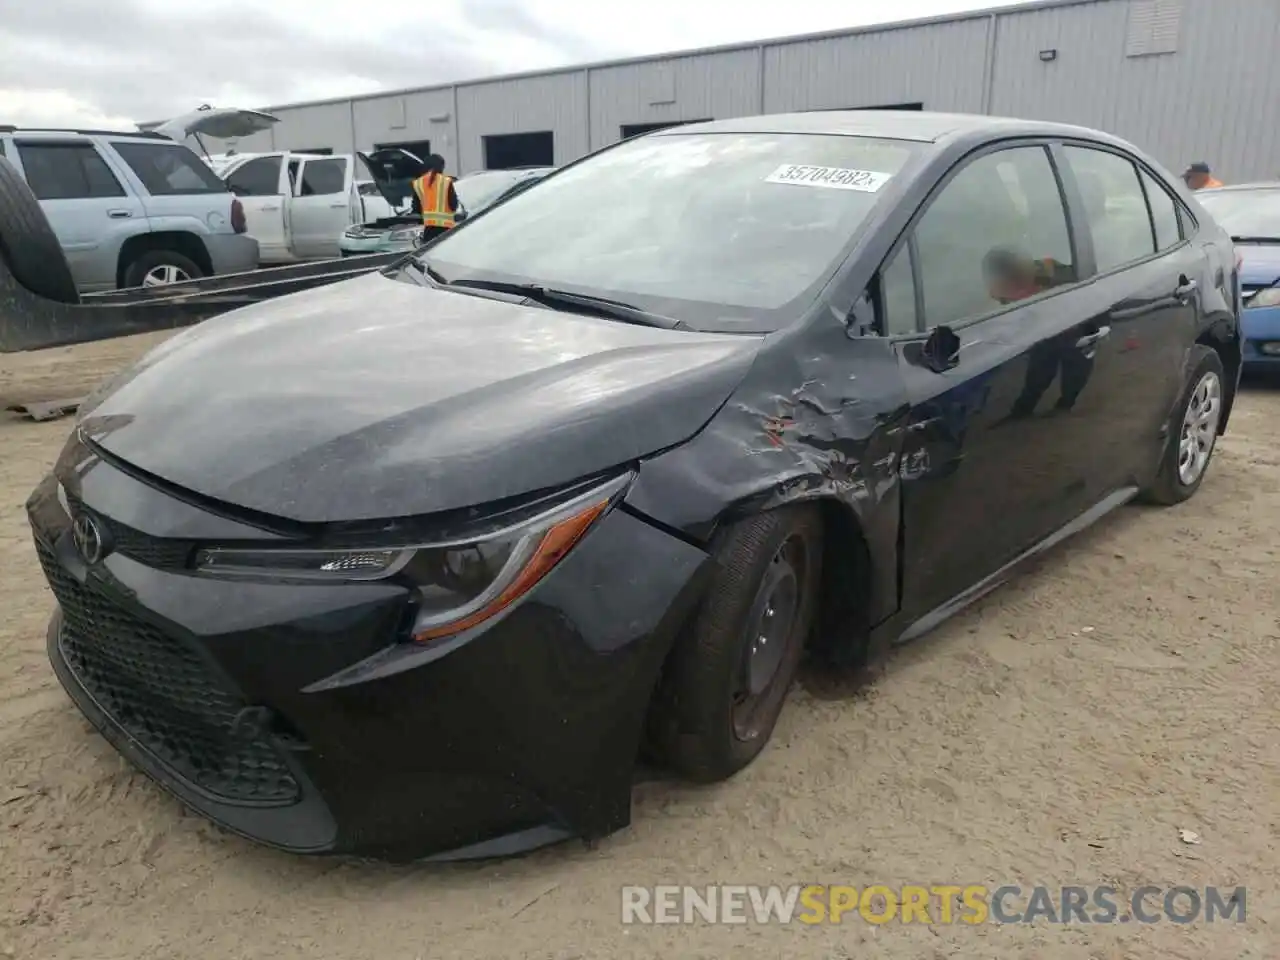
(1259, 263)
(377, 398)
(221, 123)
(392, 170)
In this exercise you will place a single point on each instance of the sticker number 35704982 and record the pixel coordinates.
(833, 178)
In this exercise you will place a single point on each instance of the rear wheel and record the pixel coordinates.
(727, 680)
(28, 245)
(1193, 435)
(160, 267)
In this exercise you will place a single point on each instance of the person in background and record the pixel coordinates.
(1200, 177)
(435, 199)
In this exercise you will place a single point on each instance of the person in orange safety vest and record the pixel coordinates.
(1198, 176)
(435, 199)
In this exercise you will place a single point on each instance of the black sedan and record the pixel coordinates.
(421, 563)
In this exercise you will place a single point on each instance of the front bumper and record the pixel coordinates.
(296, 716)
(1260, 331)
(357, 246)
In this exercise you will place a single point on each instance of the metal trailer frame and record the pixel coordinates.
(29, 322)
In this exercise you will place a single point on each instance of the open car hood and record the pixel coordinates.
(392, 170)
(222, 123)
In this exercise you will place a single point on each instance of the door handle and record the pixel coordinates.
(1185, 289)
(274, 206)
(339, 206)
(1086, 342)
(119, 214)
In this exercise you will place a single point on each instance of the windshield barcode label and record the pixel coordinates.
(835, 178)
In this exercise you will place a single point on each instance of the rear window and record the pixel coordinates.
(168, 170)
(67, 171)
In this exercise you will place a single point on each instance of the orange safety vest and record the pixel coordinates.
(433, 195)
(1211, 183)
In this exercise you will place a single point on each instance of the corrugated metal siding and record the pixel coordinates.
(941, 65)
(399, 119)
(556, 103)
(708, 87)
(326, 125)
(1213, 99)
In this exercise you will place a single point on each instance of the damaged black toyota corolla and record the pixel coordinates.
(420, 563)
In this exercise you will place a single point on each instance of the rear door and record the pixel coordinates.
(988, 462)
(260, 183)
(1145, 289)
(321, 205)
(86, 203)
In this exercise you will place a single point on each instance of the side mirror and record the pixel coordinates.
(941, 351)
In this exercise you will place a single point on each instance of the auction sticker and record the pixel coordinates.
(834, 178)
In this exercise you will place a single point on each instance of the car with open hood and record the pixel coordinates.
(1250, 213)
(421, 563)
(399, 232)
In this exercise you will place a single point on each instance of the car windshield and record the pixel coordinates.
(480, 189)
(723, 231)
(1245, 213)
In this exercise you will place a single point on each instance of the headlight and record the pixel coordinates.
(402, 236)
(457, 584)
(1266, 297)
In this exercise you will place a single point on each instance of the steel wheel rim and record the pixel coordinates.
(163, 274)
(1199, 428)
(772, 642)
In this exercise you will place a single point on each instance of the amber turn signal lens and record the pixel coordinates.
(558, 540)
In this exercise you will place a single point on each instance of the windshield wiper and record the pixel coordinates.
(547, 296)
(424, 268)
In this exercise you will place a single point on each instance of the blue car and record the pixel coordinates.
(1251, 214)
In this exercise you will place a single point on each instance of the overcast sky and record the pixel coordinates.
(113, 62)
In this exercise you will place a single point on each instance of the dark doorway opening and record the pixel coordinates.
(507, 151)
(879, 106)
(419, 148)
(322, 151)
(630, 130)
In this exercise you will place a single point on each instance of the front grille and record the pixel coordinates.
(159, 552)
(164, 695)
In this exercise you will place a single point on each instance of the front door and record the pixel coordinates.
(321, 207)
(986, 464)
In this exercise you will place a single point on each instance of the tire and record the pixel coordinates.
(697, 729)
(28, 245)
(136, 273)
(1191, 424)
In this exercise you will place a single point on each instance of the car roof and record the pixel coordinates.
(918, 125)
(72, 131)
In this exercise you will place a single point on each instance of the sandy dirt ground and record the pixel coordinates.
(1063, 733)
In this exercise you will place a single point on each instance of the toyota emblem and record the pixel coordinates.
(88, 538)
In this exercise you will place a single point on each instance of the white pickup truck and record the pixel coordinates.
(297, 205)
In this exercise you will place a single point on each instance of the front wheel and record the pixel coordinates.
(1193, 434)
(727, 680)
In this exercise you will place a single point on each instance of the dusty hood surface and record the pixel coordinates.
(1259, 263)
(378, 398)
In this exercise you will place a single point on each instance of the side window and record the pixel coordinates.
(1164, 213)
(1115, 206)
(997, 233)
(259, 177)
(68, 171)
(897, 281)
(169, 169)
(323, 177)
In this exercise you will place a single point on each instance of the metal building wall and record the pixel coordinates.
(555, 102)
(702, 87)
(942, 65)
(1213, 98)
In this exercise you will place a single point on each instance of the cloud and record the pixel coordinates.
(90, 62)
